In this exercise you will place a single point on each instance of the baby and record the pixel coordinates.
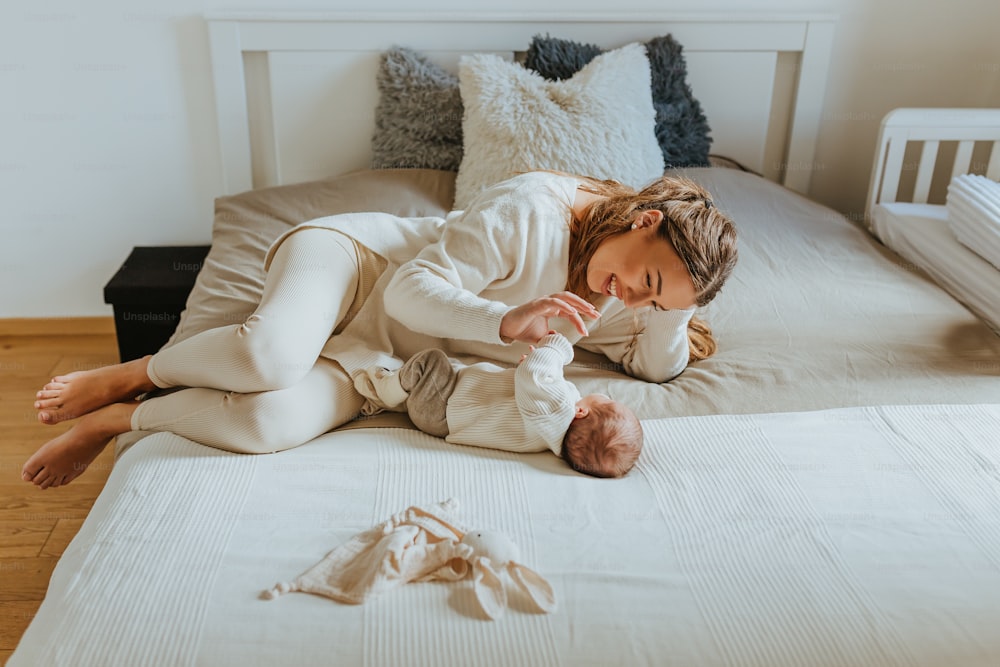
(529, 408)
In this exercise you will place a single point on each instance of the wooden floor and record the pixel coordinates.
(37, 525)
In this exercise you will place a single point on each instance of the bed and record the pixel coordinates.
(823, 491)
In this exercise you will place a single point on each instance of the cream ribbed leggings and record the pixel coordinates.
(261, 386)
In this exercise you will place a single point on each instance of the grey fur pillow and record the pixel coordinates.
(681, 127)
(418, 118)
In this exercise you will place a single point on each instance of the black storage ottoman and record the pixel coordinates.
(148, 293)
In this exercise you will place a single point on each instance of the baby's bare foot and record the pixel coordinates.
(76, 394)
(63, 459)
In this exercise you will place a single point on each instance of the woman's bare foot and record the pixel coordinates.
(63, 459)
(76, 394)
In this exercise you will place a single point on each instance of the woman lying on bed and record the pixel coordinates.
(626, 270)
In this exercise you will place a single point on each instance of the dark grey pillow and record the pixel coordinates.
(681, 127)
(418, 118)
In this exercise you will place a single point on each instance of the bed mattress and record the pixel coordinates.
(857, 536)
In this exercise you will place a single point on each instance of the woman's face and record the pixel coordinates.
(641, 269)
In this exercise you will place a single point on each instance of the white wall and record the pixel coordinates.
(899, 53)
(108, 140)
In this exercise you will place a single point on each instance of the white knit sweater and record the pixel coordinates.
(458, 277)
(523, 409)
(512, 245)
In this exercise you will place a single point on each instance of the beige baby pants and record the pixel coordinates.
(429, 379)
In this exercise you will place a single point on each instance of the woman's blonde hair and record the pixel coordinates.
(703, 237)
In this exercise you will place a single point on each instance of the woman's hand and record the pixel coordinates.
(529, 323)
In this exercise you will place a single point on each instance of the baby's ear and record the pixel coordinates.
(581, 412)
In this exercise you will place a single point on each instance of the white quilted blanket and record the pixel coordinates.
(856, 536)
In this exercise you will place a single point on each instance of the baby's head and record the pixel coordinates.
(604, 439)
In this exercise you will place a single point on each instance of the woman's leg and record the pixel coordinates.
(66, 457)
(254, 423)
(309, 287)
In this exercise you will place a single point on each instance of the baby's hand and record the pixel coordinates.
(531, 348)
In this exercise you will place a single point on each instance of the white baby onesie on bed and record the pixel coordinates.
(523, 409)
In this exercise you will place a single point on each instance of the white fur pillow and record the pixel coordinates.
(598, 123)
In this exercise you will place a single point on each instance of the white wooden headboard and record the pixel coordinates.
(295, 92)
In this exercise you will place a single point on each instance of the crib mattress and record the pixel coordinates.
(920, 233)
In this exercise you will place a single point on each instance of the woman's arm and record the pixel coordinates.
(502, 241)
(437, 293)
(651, 345)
